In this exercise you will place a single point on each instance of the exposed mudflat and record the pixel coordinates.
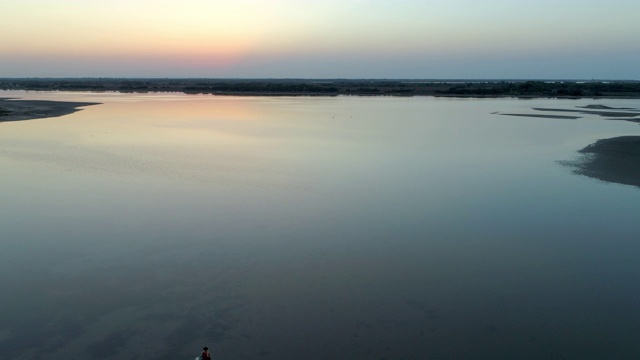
(614, 160)
(612, 113)
(16, 109)
(545, 116)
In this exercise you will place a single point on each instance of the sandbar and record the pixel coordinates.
(602, 113)
(17, 109)
(614, 160)
(604, 107)
(627, 114)
(545, 116)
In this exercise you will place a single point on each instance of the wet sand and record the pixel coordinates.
(627, 114)
(602, 113)
(16, 109)
(545, 116)
(604, 107)
(614, 160)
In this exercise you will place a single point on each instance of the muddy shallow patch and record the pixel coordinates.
(612, 113)
(545, 116)
(615, 160)
(15, 109)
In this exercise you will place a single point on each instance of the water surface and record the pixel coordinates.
(313, 228)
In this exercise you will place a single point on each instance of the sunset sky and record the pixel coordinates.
(432, 39)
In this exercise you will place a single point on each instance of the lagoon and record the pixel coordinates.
(313, 227)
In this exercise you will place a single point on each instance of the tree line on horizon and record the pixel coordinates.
(334, 87)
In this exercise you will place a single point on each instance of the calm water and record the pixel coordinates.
(313, 228)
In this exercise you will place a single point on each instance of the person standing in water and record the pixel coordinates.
(206, 355)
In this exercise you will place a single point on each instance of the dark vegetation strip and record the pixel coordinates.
(330, 87)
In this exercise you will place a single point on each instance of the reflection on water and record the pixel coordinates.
(274, 228)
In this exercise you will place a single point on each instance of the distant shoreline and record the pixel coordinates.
(336, 87)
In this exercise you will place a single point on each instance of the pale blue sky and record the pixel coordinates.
(565, 39)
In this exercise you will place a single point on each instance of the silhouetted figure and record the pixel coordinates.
(206, 355)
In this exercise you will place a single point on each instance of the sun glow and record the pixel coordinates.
(216, 38)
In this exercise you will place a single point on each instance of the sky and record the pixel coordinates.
(426, 39)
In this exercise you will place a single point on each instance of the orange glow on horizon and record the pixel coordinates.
(328, 38)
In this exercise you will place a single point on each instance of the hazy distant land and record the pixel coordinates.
(332, 87)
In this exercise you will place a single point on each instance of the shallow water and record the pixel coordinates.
(279, 228)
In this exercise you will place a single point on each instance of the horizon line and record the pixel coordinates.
(307, 79)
